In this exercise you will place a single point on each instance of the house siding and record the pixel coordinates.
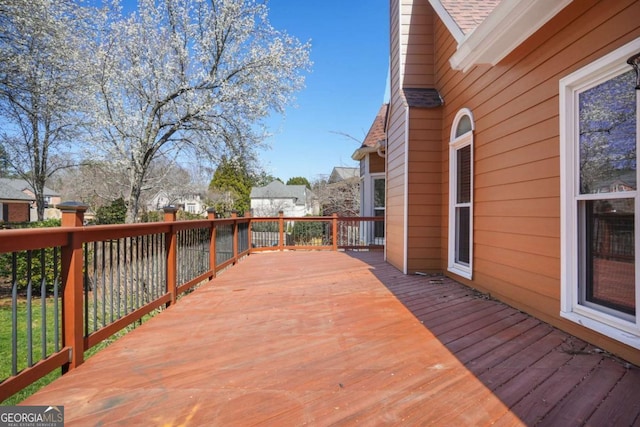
(395, 194)
(516, 154)
(15, 212)
(376, 163)
(425, 190)
(417, 44)
(410, 205)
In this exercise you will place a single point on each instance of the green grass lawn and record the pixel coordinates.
(5, 342)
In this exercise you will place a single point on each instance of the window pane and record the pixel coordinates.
(609, 254)
(378, 193)
(463, 234)
(378, 227)
(607, 124)
(464, 175)
(464, 126)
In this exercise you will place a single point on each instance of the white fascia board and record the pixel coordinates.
(361, 152)
(448, 21)
(510, 24)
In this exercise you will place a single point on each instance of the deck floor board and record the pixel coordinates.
(332, 338)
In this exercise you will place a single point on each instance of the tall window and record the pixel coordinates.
(378, 205)
(461, 195)
(599, 142)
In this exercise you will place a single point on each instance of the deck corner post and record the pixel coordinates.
(171, 244)
(234, 216)
(281, 230)
(211, 216)
(73, 284)
(247, 215)
(334, 222)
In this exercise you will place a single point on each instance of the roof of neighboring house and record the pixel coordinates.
(376, 137)
(468, 14)
(278, 190)
(343, 173)
(9, 192)
(21, 185)
(422, 97)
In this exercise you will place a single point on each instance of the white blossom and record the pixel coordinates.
(188, 78)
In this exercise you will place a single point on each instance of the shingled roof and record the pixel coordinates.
(422, 97)
(376, 137)
(377, 132)
(468, 14)
(11, 189)
(278, 190)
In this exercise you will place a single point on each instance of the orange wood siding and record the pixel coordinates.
(395, 160)
(376, 163)
(425, 190)
(413, 178)
(417, 44)
(516, 149)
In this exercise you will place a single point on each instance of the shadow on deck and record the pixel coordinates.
(333, 338)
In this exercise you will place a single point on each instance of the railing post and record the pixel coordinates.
(73, 285)
(171, 244)
(335, 231)
(281, 231)
(247, 214)
(234, 216)
(211, 215)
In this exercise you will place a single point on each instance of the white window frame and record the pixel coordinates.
(625, 330)
(373, 178)
(455, 144)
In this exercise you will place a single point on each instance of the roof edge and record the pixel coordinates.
(508, 26)
(448, 20)
(361, 152)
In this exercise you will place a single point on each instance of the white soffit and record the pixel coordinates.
(510, 24)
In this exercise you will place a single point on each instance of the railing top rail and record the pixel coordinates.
(33, 238)
(38, 238)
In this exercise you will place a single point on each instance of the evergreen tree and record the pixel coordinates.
(230, 187)
(299, 180)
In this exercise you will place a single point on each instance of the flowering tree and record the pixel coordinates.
(187, 79)
(43, 53)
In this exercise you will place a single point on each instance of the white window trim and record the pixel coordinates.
(601, 70)
(457, 143)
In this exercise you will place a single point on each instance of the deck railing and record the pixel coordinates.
(74, 286)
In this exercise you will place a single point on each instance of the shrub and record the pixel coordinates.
(31, 265)
(305, 231)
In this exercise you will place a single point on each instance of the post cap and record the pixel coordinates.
(72, 206)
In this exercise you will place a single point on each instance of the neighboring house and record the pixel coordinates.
(341, 194)
(14, 204)
(341, 173)
(510, 139)
(371, 156)
(51, 200)
(188, 202)
(292, 200)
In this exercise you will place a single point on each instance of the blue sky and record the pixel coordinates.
(344, 90)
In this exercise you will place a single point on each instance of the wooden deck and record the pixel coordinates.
(332, 338)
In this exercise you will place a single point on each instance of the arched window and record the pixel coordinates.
(461, 195)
